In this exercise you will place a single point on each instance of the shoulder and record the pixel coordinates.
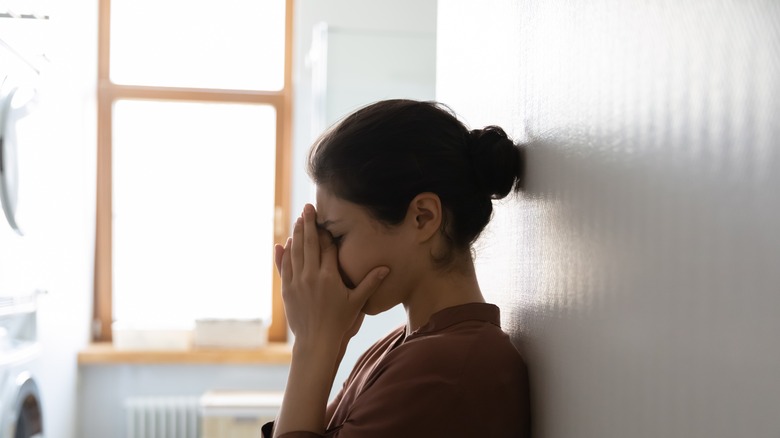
(467, 350)
(470, 375)
(467, 338)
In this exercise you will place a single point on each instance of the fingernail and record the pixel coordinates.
(383, 273)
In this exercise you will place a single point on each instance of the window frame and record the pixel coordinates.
(109, 92)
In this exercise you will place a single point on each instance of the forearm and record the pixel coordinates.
(308, 386)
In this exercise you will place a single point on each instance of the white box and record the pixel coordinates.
(230, 333)
(151, 338)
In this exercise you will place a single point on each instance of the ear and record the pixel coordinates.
(425, 214)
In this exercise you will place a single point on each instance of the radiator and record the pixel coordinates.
(162, 417)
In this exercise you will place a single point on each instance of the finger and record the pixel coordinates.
(311, 243)
(326, 240)
(278, 253)
(287, 268)
(329, 254)
(330, 261)
(368, 286)
(297, 247)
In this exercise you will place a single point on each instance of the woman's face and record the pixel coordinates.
(364, 244)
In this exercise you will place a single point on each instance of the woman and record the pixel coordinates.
(403, 190)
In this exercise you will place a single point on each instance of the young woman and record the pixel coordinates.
(403, 190)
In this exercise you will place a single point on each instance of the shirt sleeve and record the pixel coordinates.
(409, 407)
(268, 428)
(398, 405)
(398, 415)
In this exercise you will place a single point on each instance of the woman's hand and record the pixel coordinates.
(318, 304)
(323, 314)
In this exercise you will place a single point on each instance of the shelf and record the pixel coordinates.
(105, 354)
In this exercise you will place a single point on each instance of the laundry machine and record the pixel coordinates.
(20, 401)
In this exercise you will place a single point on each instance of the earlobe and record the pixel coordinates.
(426, 210)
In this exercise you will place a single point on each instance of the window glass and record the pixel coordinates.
(193, 202)
(230, 44)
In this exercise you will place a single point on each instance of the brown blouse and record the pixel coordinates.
(457, 376)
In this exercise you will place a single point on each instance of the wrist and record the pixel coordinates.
(319, 347)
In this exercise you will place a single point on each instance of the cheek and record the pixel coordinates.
(347, 267)
(385, 297)
(355, 262)
(346, 278)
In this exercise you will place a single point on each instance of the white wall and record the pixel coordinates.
(639, 271)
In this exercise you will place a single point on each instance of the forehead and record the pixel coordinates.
(329, 206)
(323, 199)
(333, 209)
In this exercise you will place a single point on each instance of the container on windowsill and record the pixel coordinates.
(151, 337)
(230, 333)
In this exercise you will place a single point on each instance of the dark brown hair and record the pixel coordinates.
(385, 154)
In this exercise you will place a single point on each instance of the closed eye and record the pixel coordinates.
(336, 240)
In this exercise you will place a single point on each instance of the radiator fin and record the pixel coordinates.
(162, 417)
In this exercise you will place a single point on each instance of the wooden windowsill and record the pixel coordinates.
(104, 353)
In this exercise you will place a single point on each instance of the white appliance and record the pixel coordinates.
(21, 415)
(20, 400)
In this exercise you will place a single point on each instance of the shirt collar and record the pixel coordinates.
(464, 312)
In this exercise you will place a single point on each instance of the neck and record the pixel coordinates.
(440, 290)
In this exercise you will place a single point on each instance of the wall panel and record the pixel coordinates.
(640, 270)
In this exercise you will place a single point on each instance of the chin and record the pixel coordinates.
(368, 309)
(373, 307)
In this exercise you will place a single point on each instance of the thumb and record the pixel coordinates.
(370, 283)
(278, 254)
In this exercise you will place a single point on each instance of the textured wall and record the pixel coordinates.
(640, 271)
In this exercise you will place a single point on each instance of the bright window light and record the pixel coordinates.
(230, 44)
(193, 200)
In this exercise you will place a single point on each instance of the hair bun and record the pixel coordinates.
(498, 162)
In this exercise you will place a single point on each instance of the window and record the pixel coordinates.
(194, 124)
